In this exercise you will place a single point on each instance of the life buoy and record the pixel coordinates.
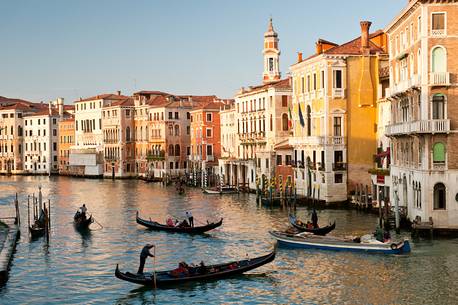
(393, 246)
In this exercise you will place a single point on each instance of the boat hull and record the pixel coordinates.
(164, 280)
(305, 243)
(153, 225)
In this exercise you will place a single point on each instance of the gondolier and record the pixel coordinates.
(190, 218)
(314, 219)
(143, 256)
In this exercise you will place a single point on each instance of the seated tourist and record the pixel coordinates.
(170, 222)
(184, 224)
(309, 225)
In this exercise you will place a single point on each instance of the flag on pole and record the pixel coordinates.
(290, 121)
(301, 117)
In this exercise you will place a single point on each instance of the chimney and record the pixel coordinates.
(365, 25)
(119, 92)
(60, 106)
(299, 56)
(319, 47)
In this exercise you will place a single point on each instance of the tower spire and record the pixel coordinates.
(271, 55)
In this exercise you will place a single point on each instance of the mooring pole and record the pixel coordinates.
(49, 212)
(28, 209)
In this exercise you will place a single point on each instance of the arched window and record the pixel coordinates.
(438, 104)
(127, 134)
(284, 122)
(177, 130)
(177, 150)
(439, 153)
(309, 121)
(439, 60)
(171, 150)
(439, 197)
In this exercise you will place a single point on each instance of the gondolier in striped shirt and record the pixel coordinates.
(190, 218)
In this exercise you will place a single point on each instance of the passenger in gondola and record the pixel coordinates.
(314, 219)
(386, 236)
(184, 224)
(170, 222)
(309, 225)
(143, 256)
(202, 269)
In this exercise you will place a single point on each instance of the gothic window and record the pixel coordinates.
(177, 150)
(439, 197)
(171, 150)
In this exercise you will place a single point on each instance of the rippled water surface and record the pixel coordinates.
(78, 269)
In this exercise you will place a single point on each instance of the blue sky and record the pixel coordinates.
(55, 48)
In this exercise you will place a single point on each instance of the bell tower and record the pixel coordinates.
(271, 55)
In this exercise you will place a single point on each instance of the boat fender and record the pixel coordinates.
(394, 246)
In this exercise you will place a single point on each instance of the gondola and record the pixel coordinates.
(213, 272)
(191, 230)
(82, 224)
(36, 230)
(316, 231)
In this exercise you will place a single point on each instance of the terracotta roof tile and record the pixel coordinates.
(108, 96)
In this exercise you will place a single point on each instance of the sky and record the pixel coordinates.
(73, 49)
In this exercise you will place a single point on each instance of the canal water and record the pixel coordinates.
(77, 269)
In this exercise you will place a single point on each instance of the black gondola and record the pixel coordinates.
(37, 230)
(80, 223)
(316, 231)
(213, 272)
(191, 230)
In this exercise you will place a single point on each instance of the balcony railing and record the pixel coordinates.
(438, 33)
(338, 92)
(439, 78)
(425, 126)
(339, 166)
(439, 166)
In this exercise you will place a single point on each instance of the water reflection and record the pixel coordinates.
(79, 268)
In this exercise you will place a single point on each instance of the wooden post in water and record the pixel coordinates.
(49, 213)
(18, 216)
(28, 209)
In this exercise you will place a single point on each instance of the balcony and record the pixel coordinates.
(339, 166)
(338, 93)
(438, 33)
(439, 79)
(210, 158)
(439, 166)
(425, 126)
(336, 140)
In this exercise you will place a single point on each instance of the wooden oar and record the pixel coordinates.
(154, 266)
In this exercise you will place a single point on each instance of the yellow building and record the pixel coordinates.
(334, 115)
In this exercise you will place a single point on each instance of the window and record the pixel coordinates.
(279, 159)
(271, 123)
(439, 153)
(54, 146)
(337, 79)
(438, 104)
(288, 160)
(314, 81)
(284, 122)
(127, 134)
(209, 132)
(322, 79)
(438, 60)
(302, 84)
(439, 197)
(271, 64)
(188, 130)
(338, 178)
(308, 84)
(177, 150)
(209, 117)
(170, 115)
(188, 151)
(209, 150)
(54, 121)
(176, 115)
(267, 163)
(419, 27)
(171, 151)
(284, 101)
(309, 121)
(337, 126)
(54, 132)
(438, 24)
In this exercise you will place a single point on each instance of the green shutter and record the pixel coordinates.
(439, 153)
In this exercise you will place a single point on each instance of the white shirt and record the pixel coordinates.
(188, 214)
